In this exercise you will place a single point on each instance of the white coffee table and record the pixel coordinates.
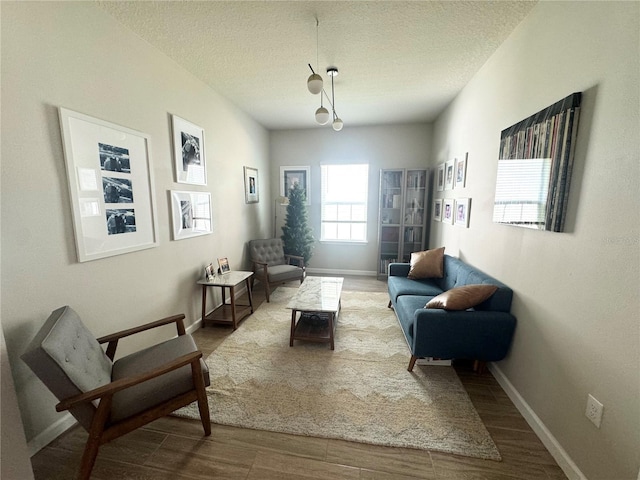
(314, 309)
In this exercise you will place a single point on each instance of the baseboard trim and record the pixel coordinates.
(332, 271)
(52, 432)
(560, 455)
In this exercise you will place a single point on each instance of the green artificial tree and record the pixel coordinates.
(296, 233)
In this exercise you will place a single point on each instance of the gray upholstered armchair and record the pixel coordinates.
(271, 265)
(110, 399)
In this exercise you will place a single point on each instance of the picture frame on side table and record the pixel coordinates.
(209, 272)
(289, 176)
(188, 152)
(251, 190)
(437, 210)
(447, 211)
(191, 214)
(110, 186)
(462, 212)
(461, 171)
(223, 265)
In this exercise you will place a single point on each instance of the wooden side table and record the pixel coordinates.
(237, 312)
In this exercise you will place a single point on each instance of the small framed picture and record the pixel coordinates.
(289, 176)
(461, 171)
(437, 210)
(209, 272)
(447, 211)
(191, 214)
(188, 152)
(223, 265)
(463, 206)
(448, 175)
(251, 192)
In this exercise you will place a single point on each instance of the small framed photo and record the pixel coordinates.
(251, 192)
(289, 176)
(463, 209)
(223, 265)
(440, 178)
(448, 175)
(447, 211)
(191, 214)
(209, 272)
(188, 152)
(461, 171)
(437, 210)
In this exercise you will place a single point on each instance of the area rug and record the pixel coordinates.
(361, 391)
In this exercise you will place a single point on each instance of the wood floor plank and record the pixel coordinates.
(288, 465)
(390, 460)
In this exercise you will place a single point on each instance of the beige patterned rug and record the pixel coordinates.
(361, 391)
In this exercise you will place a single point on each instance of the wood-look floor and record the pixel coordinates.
(174, 448)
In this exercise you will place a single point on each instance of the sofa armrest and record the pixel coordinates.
(471, 334)
(399, 269)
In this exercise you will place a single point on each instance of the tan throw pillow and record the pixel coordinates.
(461, 298)
(427, 264)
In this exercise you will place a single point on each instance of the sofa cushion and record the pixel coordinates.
(398, 286)
(405, 308)
(462, 298)
(427, 264)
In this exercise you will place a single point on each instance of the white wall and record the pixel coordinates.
(72, 54)
(576, 293)
(387, 146)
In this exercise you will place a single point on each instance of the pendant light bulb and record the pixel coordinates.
(322, 116)
(314, 83)
(337, 124)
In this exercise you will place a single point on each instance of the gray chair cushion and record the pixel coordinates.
(68, 359)
(268, 250)
(155, 391)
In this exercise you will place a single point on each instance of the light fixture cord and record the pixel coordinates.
(333, 100)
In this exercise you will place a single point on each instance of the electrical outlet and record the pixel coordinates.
(594, 410)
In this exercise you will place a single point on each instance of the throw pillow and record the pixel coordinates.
(461, 298)
(427, 264)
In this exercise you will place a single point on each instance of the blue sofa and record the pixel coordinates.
(482, 333)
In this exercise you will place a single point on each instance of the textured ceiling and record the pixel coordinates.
(398, 61)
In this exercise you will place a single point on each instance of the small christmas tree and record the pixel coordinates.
(296, 233)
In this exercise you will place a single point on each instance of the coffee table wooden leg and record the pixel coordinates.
(249, 294)
(331, 320)
(233, 306)
(293, 327)
(204, 303)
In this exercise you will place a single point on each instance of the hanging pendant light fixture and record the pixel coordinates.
(316, 85)
(314, 82)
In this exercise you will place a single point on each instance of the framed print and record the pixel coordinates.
(223, 265)
(460, 168)
(191, 214)
(440, 178)
(448, 175)
(447, 211)
(209, 272)
(110, 185)
(251, 193)
(188, 152)
(463, 206)
(289, 176)
(437, 210)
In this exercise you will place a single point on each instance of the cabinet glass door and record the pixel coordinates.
(414, 213)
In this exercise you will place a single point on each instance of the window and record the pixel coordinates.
(344, 203)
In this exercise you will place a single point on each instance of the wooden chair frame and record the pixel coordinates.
(265, 272)
(102, 431)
